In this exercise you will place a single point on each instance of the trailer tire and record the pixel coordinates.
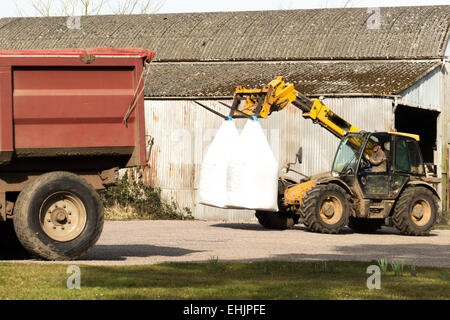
(416, 211)
(325, 209)
(58, 216)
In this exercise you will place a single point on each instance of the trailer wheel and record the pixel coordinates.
(416, 211)
(58, 216)
(325, 209)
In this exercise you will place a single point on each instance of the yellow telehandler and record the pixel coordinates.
(374, 176)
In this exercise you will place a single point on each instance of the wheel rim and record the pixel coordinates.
(331, 210)
(62, 216)
(421, 212)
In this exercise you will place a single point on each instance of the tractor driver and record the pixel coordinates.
(378, 159)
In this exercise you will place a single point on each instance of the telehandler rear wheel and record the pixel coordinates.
(325, 209)
(58, 216)
(416, 211)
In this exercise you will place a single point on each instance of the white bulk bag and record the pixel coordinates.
(252, 179)
(213, 176)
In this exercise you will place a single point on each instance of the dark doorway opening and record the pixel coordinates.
(422, 122)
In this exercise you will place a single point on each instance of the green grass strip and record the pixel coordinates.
(269, 280)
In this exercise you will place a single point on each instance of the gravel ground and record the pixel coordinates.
(150, 242)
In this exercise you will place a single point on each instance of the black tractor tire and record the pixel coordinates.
(416, 211)
(325, 209)
(364, 225)
(45, 210)
(276, 220)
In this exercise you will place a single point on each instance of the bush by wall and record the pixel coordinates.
(131, 199)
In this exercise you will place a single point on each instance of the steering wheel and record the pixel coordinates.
(365, 164)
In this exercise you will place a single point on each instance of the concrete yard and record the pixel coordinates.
(150, 242)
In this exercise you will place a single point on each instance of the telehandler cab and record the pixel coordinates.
(357, 192)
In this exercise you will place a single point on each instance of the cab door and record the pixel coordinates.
(374, 180)
(407, 161)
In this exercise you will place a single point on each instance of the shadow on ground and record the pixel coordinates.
(257, 227)
(122, 252)
(104, 252)
(432, 255)
(241, 226)
(10, 247)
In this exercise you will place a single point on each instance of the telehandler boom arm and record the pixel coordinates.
(277, 95)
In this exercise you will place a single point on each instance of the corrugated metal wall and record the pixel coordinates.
(182, 132)
(428, 94)
(424, 94)
(444, 133)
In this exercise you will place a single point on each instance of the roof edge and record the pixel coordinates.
(315, 59)
(325, 95)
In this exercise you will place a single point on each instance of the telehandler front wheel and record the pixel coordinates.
(416, 211)
(325, 209)
(58, 216)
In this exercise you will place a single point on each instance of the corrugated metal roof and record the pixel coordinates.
(209, 54)
(405, 32)
(308, 77)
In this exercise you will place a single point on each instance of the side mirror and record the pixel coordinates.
(300, 155)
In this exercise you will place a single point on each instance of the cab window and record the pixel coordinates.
(407, 156)
(376, 153)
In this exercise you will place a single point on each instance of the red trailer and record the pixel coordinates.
(69, 119)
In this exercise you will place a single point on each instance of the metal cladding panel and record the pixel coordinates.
(447, 48)
(171, 156)
(182, 132)
(6, 112)
(56, 104)
(97, 52)
(425, 93)
(72, 107)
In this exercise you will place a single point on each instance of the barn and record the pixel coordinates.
(379, 68)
